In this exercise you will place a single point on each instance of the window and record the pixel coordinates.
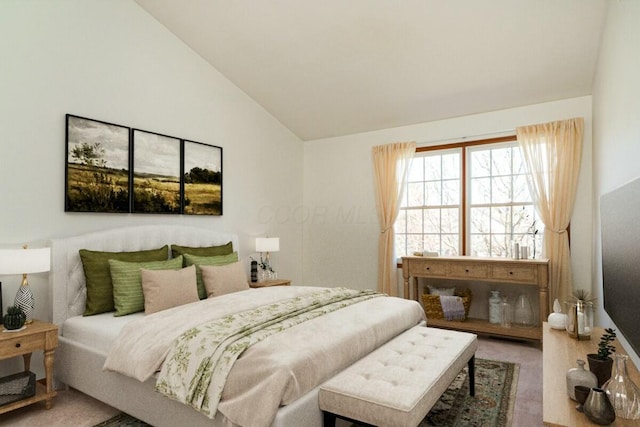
(468, 199)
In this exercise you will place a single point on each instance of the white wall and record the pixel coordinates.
(341, 227)
(111, 61)
(616, 129)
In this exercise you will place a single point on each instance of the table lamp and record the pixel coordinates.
(267, 244)
(24, 261)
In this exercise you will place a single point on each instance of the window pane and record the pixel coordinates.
(450, 220)
(501, 161)
(401, 245)
(414, 221)
(500, 244)
(501, 219)
(415, 194)
(451, 166)
(433, 194)
(451, 192)
(480, 191)
(480, 244)
(480, 163)
(432, 220)
(501, 189)
(432, 243)
(520, 189)
(432, 168)
(416, 171)
(518, 162)
(414, 243)
(450, 245)
(401, 222)
(522, 219)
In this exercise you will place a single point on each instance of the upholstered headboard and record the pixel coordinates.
(66, 280)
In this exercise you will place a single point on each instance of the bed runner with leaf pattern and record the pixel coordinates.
(197, 365)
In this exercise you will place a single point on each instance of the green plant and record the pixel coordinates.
(604, 346)
(15, 318)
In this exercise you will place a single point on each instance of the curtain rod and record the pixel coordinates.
(507, 132)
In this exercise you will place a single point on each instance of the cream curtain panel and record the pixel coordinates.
(390, 165)
(552, 153)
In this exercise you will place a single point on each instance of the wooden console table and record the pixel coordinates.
(559, 355)
(528, 272)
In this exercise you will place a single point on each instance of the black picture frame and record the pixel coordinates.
(97, 177)
(202, 178)
(156, 166)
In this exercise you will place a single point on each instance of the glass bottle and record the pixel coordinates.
(505, 313)
(623, 393)
(495, 307)
(579, 376)
(523, 313)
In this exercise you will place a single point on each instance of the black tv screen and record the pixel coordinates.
(620, 225)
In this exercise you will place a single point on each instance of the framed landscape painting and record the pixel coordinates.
(202, 179)
(156, 173)
(97, 166)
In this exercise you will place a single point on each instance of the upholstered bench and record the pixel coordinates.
(397, 384)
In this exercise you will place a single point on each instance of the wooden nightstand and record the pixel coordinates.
(36, 336)
(277, 282)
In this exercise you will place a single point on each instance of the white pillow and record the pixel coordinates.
(441, 291)
(223, 279)
(164, 289)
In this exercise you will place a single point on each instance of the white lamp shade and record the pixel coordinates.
(267, 244)
(21, 261)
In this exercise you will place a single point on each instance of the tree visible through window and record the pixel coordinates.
(468, 199)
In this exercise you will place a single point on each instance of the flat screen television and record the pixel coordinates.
(620, 228)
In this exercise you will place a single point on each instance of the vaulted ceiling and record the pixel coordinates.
(334, 67)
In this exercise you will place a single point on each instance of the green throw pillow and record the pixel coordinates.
(127, 282)
(204, 260)
(98, 276)
(177, 250)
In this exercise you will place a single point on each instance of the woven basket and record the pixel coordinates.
(433, 309)
(17, 387)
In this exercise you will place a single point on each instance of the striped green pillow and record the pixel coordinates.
(127, 282)
(207, 260)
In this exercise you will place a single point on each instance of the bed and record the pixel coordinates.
(85, 341)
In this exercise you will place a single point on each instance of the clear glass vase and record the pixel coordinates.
(523, 313)
(623, 393)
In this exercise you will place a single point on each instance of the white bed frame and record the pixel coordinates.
(80, 367)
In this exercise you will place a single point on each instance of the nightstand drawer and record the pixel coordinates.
(21, 344)
(427, 268)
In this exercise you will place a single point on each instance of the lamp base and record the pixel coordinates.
(24, 300)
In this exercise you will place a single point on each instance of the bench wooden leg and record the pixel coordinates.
(472, 375)
(329, 419)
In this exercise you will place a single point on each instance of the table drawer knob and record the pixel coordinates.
(18, 345)
(466, 270)
(427, 268)
(511, 272)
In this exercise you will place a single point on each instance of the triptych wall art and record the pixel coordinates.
(113, 168)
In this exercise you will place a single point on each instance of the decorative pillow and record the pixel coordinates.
(98, 276)
(127, 282)
(441, 291)
(164, 289)
(177, 250)
(212, 260)
(224, 279)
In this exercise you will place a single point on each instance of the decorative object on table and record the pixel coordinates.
(580, 313)
(505, 313)
(266, 245)
(515, 250)
(24, 261)
(524, 252)
(600, 363)
(14, 319)
(598, 408)
(581, 392)
(621, 390)
(254, 271)
(433, 307)
(579, 376)
(557, 319)
(494, 307)
(522, 312)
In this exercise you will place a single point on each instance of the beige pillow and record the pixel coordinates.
(164, 289)
(223, 279)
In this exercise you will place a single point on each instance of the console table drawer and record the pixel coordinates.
(515, 273)
(427, 268)
(460, 270)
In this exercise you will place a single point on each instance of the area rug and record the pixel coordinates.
(496, 385)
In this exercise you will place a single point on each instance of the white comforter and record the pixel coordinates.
(278, 370)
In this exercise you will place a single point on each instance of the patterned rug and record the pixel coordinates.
(496, 385)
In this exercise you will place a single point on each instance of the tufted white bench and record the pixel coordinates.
(397, 384)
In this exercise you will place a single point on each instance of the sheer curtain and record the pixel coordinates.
(552, 153)
(390, 165)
